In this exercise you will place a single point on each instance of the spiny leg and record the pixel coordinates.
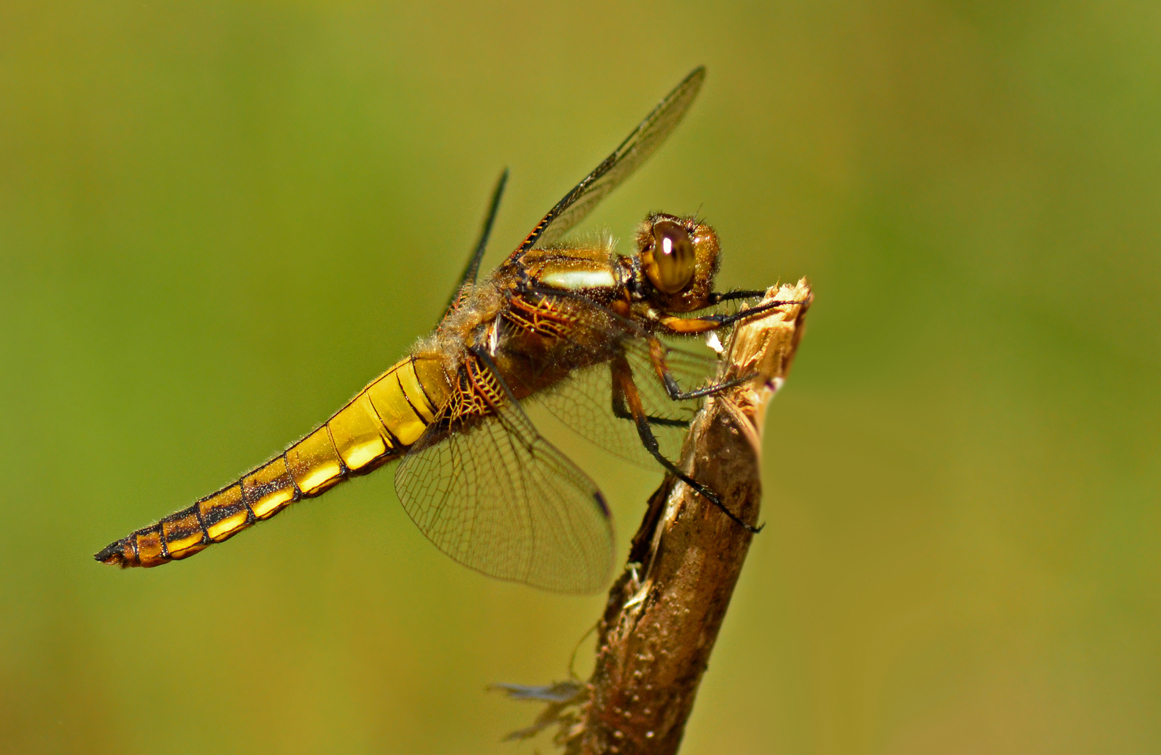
(684, 326)
(621, 410)
(717, 298)
(657, 351)
(623, 378)
(693, 325)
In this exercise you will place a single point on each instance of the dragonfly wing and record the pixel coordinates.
(615, 168)
(500, 499)
(472, 269)
(587, 403)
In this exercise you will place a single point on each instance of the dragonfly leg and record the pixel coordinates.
(657, 356)
(684, 326)
(623, 379)
(621, 410)
(731, 295)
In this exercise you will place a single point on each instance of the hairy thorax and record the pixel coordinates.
(536, 323)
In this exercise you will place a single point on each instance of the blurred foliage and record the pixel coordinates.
(219, 220)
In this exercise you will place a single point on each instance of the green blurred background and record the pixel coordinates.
(218, 220)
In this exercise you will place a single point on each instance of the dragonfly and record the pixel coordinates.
(592, 335)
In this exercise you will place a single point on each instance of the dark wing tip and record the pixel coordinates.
(601, 503)
(694, 79)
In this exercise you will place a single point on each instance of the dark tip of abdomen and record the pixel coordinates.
(113, 554)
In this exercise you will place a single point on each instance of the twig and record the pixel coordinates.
(656, 636)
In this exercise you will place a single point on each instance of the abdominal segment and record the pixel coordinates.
(375, 427)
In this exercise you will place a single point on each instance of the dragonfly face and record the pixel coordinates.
(579, 328)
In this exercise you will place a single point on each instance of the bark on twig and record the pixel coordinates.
(663, 617)
(664, 612)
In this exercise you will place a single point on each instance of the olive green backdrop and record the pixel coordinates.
(218, 220)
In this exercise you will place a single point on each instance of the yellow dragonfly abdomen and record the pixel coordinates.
(375, 427)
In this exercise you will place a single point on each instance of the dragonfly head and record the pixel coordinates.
(677, 259)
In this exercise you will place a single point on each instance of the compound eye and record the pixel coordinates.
(670, 264)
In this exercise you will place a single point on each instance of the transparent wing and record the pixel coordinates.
(472, 269)
(615, 168)
(587, 403)
(500, 499)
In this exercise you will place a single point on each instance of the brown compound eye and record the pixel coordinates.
(669, 265)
